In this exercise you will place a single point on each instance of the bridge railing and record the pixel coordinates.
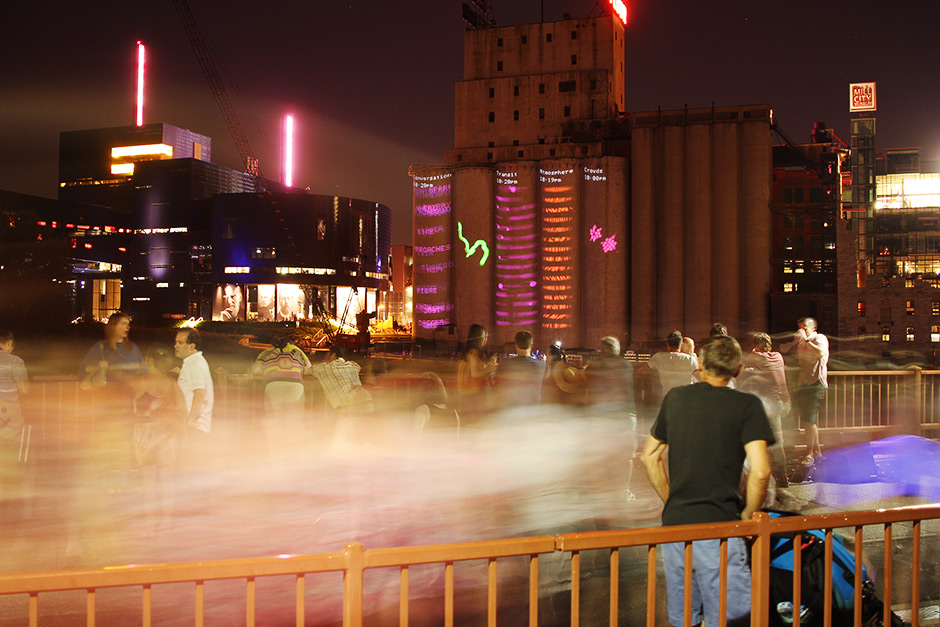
(884, 400)
(354, 561)
(861, 399)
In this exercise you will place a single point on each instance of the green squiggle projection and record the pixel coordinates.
(477, 244)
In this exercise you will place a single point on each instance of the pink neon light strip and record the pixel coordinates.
(289, 150)
(140, 84)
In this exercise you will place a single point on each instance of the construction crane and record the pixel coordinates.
(218, 89)
(228, 111)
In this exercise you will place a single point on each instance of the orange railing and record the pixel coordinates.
(354, 561)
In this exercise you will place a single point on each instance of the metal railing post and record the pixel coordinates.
(760, 570)
(352, 585)
(918, 392)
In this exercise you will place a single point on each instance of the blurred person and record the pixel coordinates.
(709, 431)
(195, 384)
(475, 372)
(433, 412)
(14, 432)
(812, 349)
(113, 369)
(157, 433)
(563, 383)
(343, 390)
(763, 374)
(116, 356)
(610, 387)
(687, 346)
(519, 379)
(339, 378)
(674, 367)
(282, 369)
(717, 330)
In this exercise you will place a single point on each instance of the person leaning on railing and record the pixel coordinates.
(709, 431)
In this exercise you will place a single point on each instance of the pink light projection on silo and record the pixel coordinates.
(516, 252)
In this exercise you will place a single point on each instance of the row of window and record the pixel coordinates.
(791, 242)
(548, 38)
(799, 267)
(521, 153)
(798, 194)
(908, 334)
(799, 222)
(909, 309)
(515, 114)
(563, 87)
(499, 64)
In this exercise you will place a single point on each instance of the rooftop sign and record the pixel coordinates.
(862, 97)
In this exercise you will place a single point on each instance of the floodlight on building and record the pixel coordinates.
(140, 83)
(620, 9)
(288, 150)
(126, 169)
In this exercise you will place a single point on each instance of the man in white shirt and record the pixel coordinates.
(812, 349)
(674, 367)
(195, 382)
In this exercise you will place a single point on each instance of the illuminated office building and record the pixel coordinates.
(889, 300)
(806, 206)
(558, 213)
(97, 166)
(198, 240)
(290, 256)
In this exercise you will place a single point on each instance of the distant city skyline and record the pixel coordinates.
(371, 84)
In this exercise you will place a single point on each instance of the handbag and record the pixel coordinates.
(98, 378)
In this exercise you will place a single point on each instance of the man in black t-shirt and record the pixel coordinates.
(709, 430)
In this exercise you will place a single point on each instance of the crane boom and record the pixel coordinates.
(218, 89)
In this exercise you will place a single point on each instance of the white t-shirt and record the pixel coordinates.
(195, 375)
(674, 369)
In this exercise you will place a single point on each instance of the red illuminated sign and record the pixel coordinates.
(620, 9)
(862, 97)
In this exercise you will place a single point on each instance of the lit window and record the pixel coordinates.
(910, 308)
(861, 333)
(789, 287)
(861, 309)
(935, 308)
(885, 334)
(909, 334)
(935, 334)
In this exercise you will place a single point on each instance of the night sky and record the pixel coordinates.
(371, 83)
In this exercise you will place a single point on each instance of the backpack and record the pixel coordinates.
(812, 593)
